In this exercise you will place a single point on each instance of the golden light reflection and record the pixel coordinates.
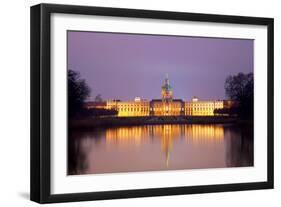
(125, 136)
(204, 133)
(168, 134)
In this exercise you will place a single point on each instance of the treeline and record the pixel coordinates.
(233, 111)
(240, 89)
(96, 112)
(78, 92)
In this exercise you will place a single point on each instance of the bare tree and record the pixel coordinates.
(78, 92)
(240, 88)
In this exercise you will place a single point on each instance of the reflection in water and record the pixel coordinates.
(159, 147)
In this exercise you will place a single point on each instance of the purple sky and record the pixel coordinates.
(123, 66)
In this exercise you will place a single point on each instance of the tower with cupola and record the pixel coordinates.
(167, 95)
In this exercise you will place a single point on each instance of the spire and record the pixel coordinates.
(167, 79)
(167, 90)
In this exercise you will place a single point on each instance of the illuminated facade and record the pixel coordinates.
(130, 108)
(166, 106)
(202, 108)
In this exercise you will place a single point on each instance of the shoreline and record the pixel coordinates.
(104, 122)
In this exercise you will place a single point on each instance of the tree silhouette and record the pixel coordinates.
(78, 92)
(240, 88)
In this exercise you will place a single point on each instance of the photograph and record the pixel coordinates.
(152, 102)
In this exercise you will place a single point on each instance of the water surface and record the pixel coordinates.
(159, 147)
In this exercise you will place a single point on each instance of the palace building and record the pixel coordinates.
(166, 106)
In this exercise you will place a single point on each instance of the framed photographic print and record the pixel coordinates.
(132, 103)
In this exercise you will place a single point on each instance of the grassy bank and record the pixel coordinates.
(131, 121)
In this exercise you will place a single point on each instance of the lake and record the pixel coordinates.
(159, 147)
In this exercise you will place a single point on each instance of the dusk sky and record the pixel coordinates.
(123, 66)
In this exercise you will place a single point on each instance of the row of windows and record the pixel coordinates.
(167, 109)
(146, 108)
(162, 106)
(199, 110)
(152, 109)
(202, 114)
(203, 104)
(134, 109)
(171, 105)
(205, 107)
(134, 105)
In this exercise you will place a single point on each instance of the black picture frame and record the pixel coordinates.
(41, 98)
